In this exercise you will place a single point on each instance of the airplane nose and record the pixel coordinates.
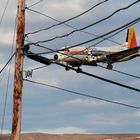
(56, 56)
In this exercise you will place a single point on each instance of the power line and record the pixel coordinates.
(123, 27)
(4, 11)
(58, 51)
(28, 73)
(124, 73)
(7, 62)
(3, 74)
(8, 80)
(86, 48)
(5, 101)
(40, 67)
(63, 22)
(134, 21)
(107, 38)
(82, 94)
(101, 36)
(51, 50)
(130, 24)
(68, 25)
(100, 78)
(97, 22)
(35, 3)
(97, 77)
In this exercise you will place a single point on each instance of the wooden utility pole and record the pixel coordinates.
(18, 76)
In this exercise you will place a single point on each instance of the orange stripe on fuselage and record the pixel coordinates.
(112, 52)
(75, 52)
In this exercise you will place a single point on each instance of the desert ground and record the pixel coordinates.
(40, 136)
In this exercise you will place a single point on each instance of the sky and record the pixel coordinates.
(48, 110)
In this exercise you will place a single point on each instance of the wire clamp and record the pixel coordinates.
(28, 73)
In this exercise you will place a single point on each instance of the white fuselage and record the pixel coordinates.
(90, 56)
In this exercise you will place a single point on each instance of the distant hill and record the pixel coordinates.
(40, 136)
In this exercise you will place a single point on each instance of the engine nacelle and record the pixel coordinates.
(96, 58)
(59, 56)
(56, 57)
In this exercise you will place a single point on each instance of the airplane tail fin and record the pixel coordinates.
(131, 38)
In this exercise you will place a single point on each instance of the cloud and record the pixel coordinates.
(137, 114)
(6, 38)
(56, 8)
(115, 122)
(84, 103)
(103, 120)
(64, 130)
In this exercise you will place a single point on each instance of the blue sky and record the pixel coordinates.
(53, 111)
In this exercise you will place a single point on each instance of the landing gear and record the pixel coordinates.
(67, 69)
(79, 70)
(110, 66)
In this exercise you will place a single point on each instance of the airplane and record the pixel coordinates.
(92, 56)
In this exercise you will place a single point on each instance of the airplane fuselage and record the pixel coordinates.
(92, 56)
(86, 55)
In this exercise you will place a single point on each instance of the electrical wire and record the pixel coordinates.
(124, 73)
(97, 22)
(68, 25)
(98, 77)
(7, 62)
(125, 25)
(5, 101)
(35, 3)
(135, 21)
(89, 47)
(40, 67)
(106, 38)
(115, 31)
(36, 68)
(100, 41)
(3, 74)
(103, 35)
(112, 35)
(8, 80)
(1, 19)
(63, 22)
(82, 94)
(88, 41)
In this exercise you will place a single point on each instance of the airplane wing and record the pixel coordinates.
(120, 56)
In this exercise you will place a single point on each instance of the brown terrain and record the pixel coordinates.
(40, 136)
